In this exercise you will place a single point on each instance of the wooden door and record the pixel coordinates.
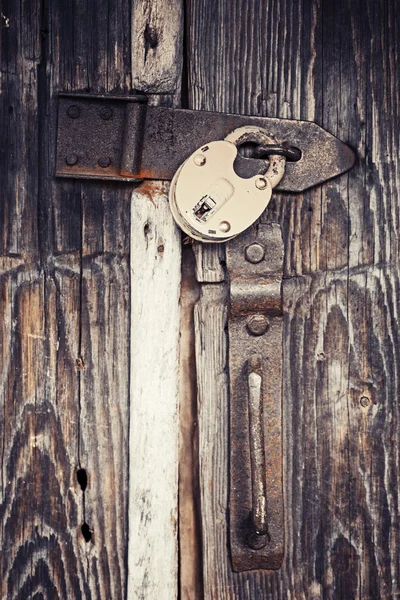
(113, 345)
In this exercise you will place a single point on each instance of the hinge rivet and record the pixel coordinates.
(254, 253)
(73, 111)
(261, 183)
(200, 160)
(104, 162)
(224, 226)
(71, 159)
(106, 113)
(257, 324)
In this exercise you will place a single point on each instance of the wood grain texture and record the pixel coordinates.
(64, 280)
(153, 504)
(337, 64)
(190, 551)
(157, 44)
(157, 34)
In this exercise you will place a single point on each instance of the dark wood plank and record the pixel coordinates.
(338, 64)
(64, 279)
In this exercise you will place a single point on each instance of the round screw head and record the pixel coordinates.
(105, 113)
(104, 162)
(255, 253)
(256, 540)
(261, 183)
(224, 226)
(71, 159)
(73, 111)
(364, 401)
(200, 160)
(257, 324)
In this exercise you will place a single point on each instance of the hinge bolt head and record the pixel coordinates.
(71, 160)
(254, 253)
(106, 113)
(73, 111)
(257, 324)
(261, 183)
(200, 160)
(104, 162)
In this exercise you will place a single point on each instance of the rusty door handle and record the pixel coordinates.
(258, 536)
(255, 267)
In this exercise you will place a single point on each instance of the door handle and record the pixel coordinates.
(255, 327)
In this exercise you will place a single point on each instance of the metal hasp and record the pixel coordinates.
(121, 138)
(255, 267)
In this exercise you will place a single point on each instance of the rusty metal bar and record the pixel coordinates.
(121, 138)
(255, 264)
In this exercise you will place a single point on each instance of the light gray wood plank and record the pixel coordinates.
(157, 34)
(154, 428)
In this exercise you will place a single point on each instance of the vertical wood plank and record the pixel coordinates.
(157, 46)
(64, 280)
(316, 61)
(155, 287)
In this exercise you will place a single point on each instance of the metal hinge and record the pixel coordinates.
(122, 138)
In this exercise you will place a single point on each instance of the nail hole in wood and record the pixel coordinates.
(87, 534)
(146, 229)
(82, 478)
(150, 37)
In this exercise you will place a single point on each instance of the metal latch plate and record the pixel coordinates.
(121, 138)
(255, 266)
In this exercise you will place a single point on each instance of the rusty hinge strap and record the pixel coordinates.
(255, 267)
(121, 138)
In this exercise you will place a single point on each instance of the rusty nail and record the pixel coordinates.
(257, 324)
(105, 113)
(365, 401)
(71, 159)
(104, 162)
(74, 111)
(255, 253)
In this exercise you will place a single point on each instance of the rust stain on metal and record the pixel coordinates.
(257, 539)
(152, 142)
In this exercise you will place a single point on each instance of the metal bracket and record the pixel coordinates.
(121, 138)
(255, 267)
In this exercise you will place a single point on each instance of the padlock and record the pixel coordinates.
(210, 201)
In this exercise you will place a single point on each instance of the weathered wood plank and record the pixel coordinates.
(153, 505)
(157, 54)
(316, 61)
(64, 295)
(157, 33)
(190, 551)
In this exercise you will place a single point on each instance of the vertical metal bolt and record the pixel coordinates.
(104, 162)
(71, 159)
(257, 324)
(105, 113)
(254, 253)
(73, 111)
